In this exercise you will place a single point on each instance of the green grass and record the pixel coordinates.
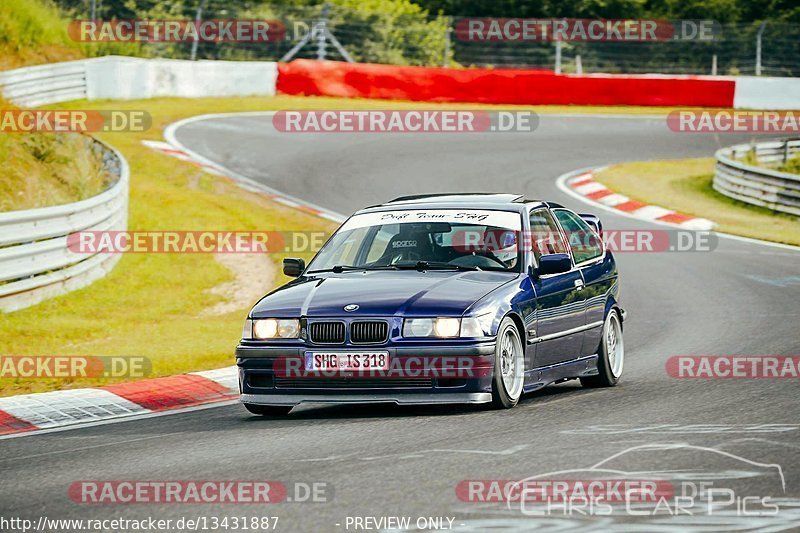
(33, 32)
(48, 169)
(792, 166)
(685, 186)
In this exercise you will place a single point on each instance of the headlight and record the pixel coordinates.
(446, 327)
(431, 327)
(275, 328)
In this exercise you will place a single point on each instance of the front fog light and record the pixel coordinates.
(273, 328)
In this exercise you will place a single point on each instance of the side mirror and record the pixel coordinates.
(593, 221)
(554, 264)
(293, 266)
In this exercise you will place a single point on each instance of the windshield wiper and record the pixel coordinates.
(337, 269)
(436, 265)
(417, 265)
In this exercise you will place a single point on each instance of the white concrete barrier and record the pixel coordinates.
(128, 78)
(761, 92)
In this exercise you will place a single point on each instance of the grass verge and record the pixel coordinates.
(48, 169)
(685, 186)
(33, 32)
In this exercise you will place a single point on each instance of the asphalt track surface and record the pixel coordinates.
(739, 299)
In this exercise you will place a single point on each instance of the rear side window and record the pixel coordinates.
(583, 241)
(545, 236)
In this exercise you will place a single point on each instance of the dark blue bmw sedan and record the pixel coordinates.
(453, 298)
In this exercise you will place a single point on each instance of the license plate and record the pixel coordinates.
(347, 360)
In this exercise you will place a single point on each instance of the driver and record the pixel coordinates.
(501, 244)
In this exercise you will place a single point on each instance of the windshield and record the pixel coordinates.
(424, 239)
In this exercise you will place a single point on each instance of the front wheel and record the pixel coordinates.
(509, 366)
(611, 354)
(268, 410)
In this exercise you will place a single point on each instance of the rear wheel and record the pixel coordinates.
(611, 354)
(268, 410)
(509, 366)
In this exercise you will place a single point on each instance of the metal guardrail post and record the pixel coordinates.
(447, 43)
(758, 47)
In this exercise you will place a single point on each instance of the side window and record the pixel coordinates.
(582, 239)
(545, 237)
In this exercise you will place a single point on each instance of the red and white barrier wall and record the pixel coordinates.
(532, 87)
(120, 78)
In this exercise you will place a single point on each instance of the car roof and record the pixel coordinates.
(472, 200)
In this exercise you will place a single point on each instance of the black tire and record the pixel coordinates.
(501, 398)
(268, 410)
(606, 376)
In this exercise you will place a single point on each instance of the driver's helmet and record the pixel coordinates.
(502, 244)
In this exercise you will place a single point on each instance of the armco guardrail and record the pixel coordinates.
(35, 261)
(125, 78)
(761, 186)
(45, 84)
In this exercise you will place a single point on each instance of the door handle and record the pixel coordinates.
(579, 284)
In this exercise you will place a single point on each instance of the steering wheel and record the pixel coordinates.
(397, 256)
(477, 261)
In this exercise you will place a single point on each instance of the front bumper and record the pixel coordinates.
(405, 398)
(263, 382)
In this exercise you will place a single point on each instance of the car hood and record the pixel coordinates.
(381, 293)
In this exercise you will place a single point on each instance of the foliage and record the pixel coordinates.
(398, 32)
(33, 32)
